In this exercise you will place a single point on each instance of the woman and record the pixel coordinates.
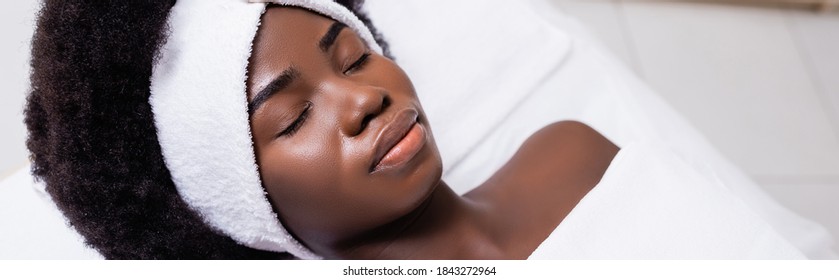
(353, 209)
(342, 148)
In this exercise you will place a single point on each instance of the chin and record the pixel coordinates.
(411, 190)
(428, 177)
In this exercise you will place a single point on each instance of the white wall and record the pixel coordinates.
(16, 23)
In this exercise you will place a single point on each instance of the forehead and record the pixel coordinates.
(285, 35)
(284, 27)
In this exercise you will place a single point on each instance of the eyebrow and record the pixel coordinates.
(284, 79)
(328, 39)
(279, 83)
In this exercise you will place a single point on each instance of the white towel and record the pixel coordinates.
(653, 204)
(198, 96)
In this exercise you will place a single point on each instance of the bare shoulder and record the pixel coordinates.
(575, 134)
(545, 179)
(572, 140)
(570, 152)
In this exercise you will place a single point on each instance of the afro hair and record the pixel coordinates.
(92, 138)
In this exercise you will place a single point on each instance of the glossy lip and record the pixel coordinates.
(392, 134)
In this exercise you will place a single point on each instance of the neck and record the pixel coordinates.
(444, 226)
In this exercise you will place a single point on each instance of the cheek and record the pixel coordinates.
(294, 175)
(307, 182)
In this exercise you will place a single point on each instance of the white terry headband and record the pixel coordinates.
(200, 110)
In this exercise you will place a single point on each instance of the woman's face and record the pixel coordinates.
(341, 141)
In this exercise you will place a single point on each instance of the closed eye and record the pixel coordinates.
(295, 126)
(358, 64)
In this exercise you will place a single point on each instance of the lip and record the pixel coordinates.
(393, 134)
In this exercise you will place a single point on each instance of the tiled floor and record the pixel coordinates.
(762, 83)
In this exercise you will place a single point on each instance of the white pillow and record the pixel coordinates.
(33, 228)
(466, 57)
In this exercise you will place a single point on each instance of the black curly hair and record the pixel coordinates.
(92, 138)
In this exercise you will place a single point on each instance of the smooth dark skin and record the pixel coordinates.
(318, 178)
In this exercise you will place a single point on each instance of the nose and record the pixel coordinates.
(361, 104)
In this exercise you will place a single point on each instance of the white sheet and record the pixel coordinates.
(654, 204)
